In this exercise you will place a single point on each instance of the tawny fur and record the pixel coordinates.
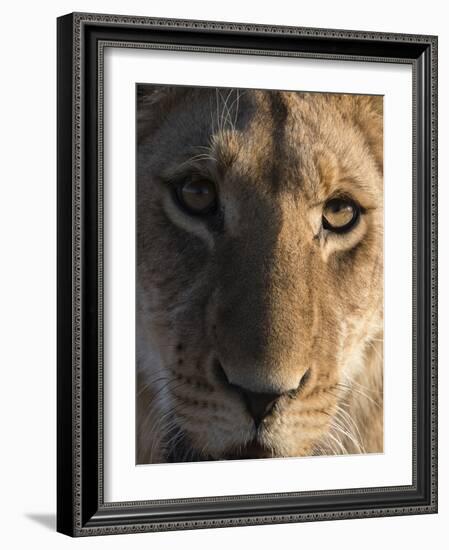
(261, 289)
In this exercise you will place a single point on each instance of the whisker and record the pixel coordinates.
(341, 429)
(352, 386)
(338, 443)
(345, 414)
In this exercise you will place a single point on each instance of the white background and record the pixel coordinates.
(123, 480)
(28, 207)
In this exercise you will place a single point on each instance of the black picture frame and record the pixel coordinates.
(81, 509)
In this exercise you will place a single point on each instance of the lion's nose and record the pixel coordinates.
(259, 405)
(261, 399)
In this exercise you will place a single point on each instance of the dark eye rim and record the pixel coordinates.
(177, 195)
(351, 224)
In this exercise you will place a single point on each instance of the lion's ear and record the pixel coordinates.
(149, 94)
(152, 105)
(368, 115)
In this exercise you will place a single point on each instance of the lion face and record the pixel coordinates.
(259, 244)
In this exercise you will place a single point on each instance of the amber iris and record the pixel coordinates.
(340, 215)
(197, 197)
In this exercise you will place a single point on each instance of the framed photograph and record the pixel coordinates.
(247, 279)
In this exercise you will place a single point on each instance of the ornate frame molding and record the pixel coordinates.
(81, 41)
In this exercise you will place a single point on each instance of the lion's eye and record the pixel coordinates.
(197, 197)
(340, 215)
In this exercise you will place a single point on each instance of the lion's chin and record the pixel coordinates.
(254, 449)
(184, 451)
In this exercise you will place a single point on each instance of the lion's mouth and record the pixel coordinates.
(254, 449)
(181, 450)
